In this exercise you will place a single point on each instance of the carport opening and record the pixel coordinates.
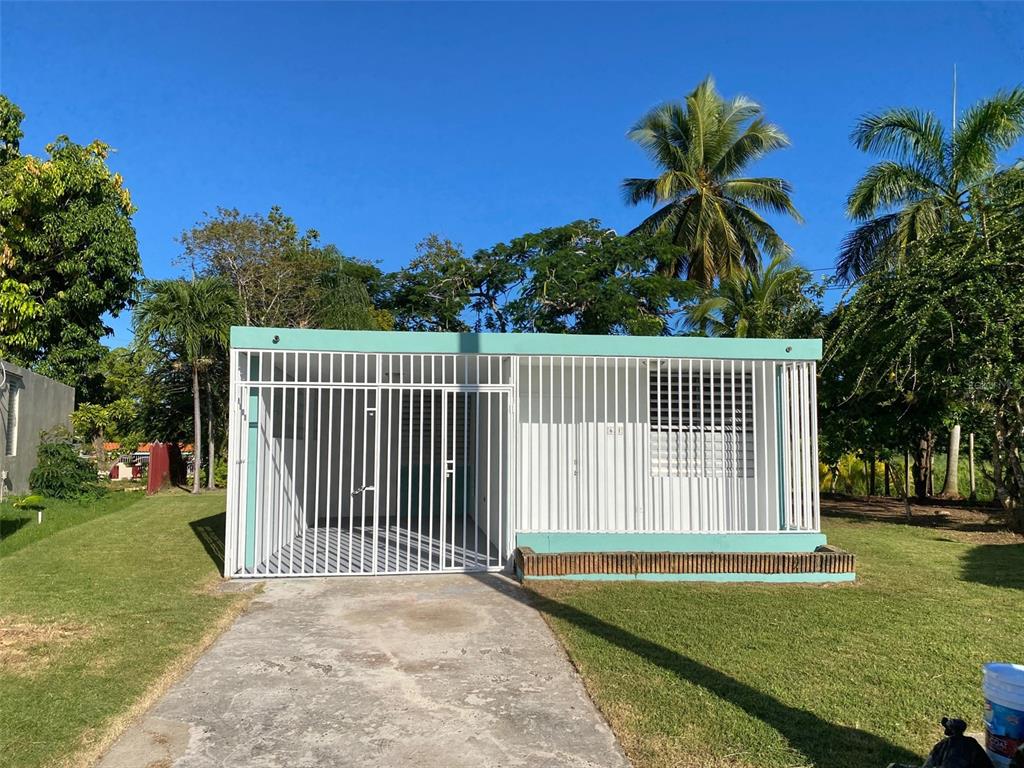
(367, 464)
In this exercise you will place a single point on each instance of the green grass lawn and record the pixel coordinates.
(20, 527)
(96, 617)
(847, 676)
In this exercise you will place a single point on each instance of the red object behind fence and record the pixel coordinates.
(166, 467)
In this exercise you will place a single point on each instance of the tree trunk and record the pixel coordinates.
(931, 465)
(210, 452)
(906, 484)
(197, 430)
(921, 469)
(970, 465)
(1001, 494)
(871, 483)
(951, 488)
(887, 470)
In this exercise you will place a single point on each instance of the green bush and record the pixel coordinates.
(220, 473)
(61, 473)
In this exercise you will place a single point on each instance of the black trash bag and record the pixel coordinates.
(956, 750)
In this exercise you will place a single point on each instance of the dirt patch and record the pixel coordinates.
(959, 520)
(28, 647)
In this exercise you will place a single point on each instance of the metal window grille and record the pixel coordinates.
(690, 408)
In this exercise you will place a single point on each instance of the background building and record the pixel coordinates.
(29, 404)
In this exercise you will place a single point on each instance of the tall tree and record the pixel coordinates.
(68, 253)
(702, 148)
(284, 278)
(956, 298)
(924, 182)
(923, 185)
(584, 278)
(433, 291)
(772, 301)
(189, 322)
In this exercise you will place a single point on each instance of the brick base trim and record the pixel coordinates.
(530, 563)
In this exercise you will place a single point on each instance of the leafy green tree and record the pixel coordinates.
(773, 301)
(702, 147)
(434, 290)
(189, 323)
(584, 278)
(956, 299)
(284, 278)
(68, 253)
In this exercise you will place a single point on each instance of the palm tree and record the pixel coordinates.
(701, 147)
(189, 322)
(926, 176)
(764, 302)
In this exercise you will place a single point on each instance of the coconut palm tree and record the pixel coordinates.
(189, 322)
(702, 147)
(926, 176)
(764, 302)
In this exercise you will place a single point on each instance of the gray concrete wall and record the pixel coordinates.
(43, 404)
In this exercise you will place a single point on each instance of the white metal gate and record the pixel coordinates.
(366, 464)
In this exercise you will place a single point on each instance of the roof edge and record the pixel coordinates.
(427, 342)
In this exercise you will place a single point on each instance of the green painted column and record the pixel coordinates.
(252, 467)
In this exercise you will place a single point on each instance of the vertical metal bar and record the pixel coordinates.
(805, 441)
(628, 448)
(476, 474)
(278, 464)
(642, 446)
(353, 489)
(363, 461)
(738, 504)
(745, 484)
(330, 466)
(433, 469)
(704, 486)
(487, 469)
(722, 525)
(816, 501)
(561, 459)
(384, 460)
(319, 452)
(548, 426)
(754, 479)
(573, 439)
(421, 465)
(691, 459)
(673, 445)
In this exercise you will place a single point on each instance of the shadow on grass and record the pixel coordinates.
(210, 532)
(995, 565)
(824, 744)
(9, 526)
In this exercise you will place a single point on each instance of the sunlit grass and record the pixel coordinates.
(790, 675)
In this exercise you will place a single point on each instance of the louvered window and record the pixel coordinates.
(701, 423)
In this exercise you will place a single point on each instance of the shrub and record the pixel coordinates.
(61, 473)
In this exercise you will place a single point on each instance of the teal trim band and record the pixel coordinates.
(670, 542)
(779, 448)
(774, 578)
(293, 339)
(251, 471)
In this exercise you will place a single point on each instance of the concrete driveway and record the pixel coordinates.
(441, 671)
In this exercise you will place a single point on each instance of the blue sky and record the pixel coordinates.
(378, 124)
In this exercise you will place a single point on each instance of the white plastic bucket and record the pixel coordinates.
(1003, 688)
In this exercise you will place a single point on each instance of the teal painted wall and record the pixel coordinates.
(775, 578)
(670, 542)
